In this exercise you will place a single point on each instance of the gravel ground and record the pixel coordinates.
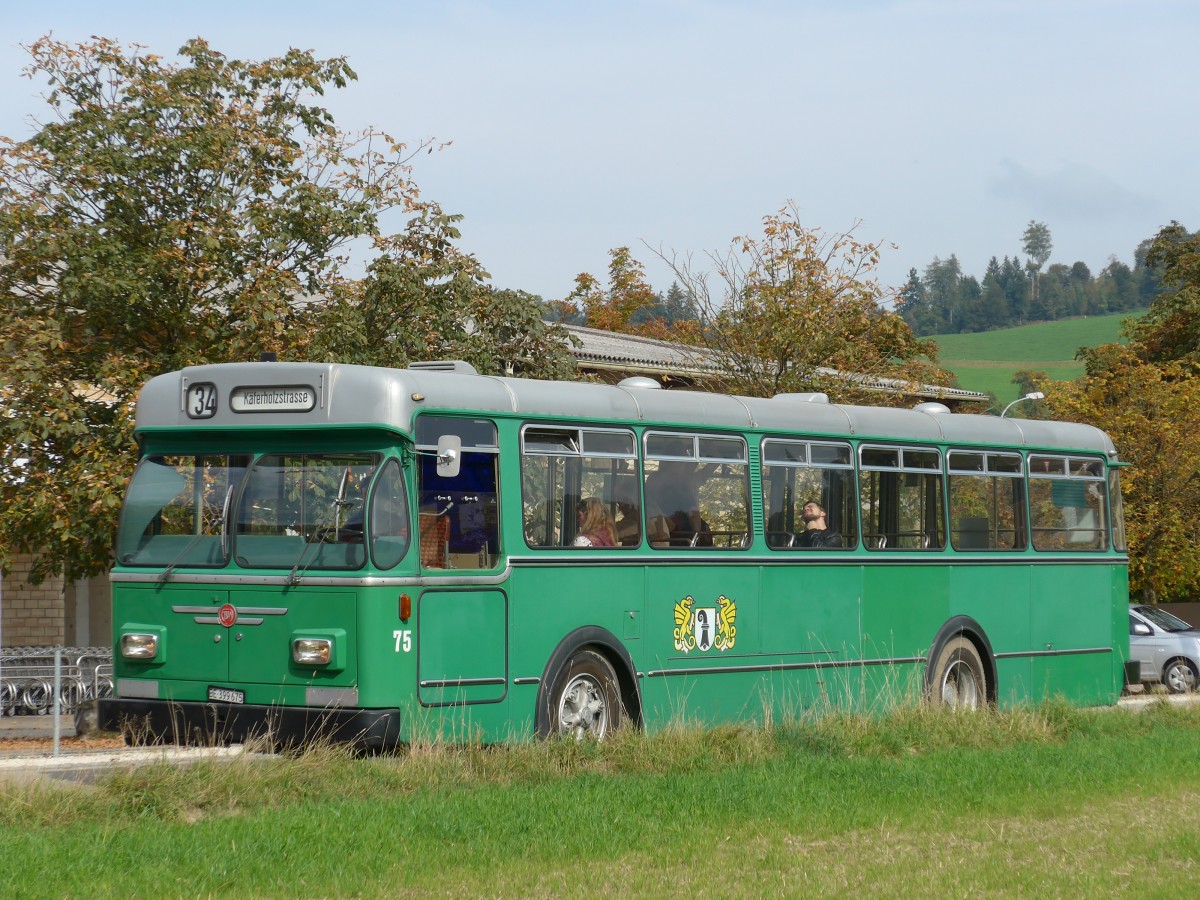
(35, 746)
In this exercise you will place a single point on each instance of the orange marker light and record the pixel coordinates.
(405, 607)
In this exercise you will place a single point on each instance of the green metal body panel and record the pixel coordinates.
(788, 632)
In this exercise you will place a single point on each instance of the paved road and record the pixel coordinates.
(80, 765)
(35, 726)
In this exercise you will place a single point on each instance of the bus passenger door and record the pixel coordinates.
(462, 654)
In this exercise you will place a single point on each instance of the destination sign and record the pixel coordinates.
(281, 398)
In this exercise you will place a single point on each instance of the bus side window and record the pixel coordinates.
(987, 508)
(1067, 503)
(697, 491)
(798, 472)
(901, 491)
(459, 516)
(563, 467)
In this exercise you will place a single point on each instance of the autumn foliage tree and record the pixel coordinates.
(797, 309)
(424, 298)
(1152, 413)
(173, 213)
(613, 308)
(1146, 395)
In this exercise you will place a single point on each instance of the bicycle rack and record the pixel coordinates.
(27, 678)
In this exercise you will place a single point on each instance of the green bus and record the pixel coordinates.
(381, 556)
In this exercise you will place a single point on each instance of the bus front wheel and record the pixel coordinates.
(586, 700)
(958, 679)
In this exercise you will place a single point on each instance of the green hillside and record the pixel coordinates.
(986, 361)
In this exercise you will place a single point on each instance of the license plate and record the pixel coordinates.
(226, 695)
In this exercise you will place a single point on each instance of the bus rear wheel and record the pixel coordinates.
(958, 678)
(586, 700)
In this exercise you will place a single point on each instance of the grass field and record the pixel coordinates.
(1045, 802)
(986, 361)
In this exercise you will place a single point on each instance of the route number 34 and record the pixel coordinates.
(403, 641)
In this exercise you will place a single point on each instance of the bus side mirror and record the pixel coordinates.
(449, 455)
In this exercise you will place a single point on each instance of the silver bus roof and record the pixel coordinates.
(347, 395)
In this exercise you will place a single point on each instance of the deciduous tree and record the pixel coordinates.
(628, 293)
(1170, 330)
(783, 311)
(1146, 395)
(1152, 413)
(172, 213)
(424, 298)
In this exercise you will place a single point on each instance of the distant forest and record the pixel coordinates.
(1014, 292)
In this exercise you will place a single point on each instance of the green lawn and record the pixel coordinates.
(1050, 802)
(986, 361)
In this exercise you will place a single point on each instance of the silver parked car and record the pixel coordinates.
(1167, 648)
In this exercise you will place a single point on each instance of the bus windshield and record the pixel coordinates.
(294, 502)
(175, 510)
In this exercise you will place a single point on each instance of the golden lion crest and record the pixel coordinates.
(717, 628)
(726, 630)
(685, 637)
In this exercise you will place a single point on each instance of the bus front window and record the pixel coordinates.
(174, 512)
(304, 510)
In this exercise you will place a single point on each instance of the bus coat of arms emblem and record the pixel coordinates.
(706, 627)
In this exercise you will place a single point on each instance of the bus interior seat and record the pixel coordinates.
(658, 531)
(972, 533)
(435, 540)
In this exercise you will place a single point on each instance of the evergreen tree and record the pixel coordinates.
(1016, 290)
(943, 288)
(910, 302)
(994, 302)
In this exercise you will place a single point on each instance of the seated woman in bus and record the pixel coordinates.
(817, 534)
(596, 527)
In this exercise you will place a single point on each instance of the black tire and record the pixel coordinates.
(586, 698)
(1180, 676)
(959, 680)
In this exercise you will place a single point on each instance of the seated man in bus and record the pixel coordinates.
(817, 534)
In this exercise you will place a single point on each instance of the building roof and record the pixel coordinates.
(628, 353)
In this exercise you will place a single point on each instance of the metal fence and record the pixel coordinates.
(27, 678)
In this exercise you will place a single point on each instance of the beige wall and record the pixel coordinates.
(87, 613)
(53, 613)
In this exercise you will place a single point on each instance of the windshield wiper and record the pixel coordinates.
(170, 569)
(165, 576)
(322, 529)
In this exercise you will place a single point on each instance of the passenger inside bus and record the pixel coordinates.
(629, 520)
(673, 504)
(817, 534)
(596, 527)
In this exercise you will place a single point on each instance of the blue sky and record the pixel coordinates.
(942, 126)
